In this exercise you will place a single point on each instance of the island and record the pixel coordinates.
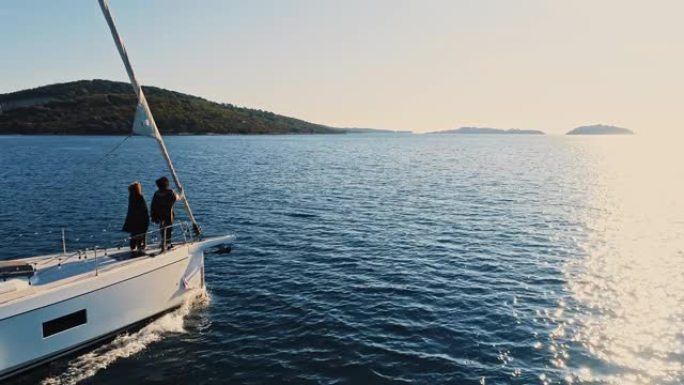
(487, 130)
(375, 131)
(599, 129)
(104, 107)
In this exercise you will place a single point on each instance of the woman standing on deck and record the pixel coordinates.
(137, 219)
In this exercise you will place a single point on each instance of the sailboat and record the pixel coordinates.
(54, 305)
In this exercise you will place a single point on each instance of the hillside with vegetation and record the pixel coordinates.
(103, 107)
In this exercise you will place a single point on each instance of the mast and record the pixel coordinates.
(143, 102)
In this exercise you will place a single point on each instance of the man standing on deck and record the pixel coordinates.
(162, 210)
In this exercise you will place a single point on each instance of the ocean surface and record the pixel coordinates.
(383, 259)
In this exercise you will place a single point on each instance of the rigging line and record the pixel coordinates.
(112, 151)
(71, 176)
(99, 161)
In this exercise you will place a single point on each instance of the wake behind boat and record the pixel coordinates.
(53, 305)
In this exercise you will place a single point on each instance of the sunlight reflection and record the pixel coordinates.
(629, 287)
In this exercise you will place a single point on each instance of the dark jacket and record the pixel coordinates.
(162, 206)
(137, 218)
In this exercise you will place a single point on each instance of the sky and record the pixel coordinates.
(400, 64)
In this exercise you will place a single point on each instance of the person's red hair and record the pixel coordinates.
(135, 188)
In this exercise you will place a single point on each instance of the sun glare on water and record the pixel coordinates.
(626, 293)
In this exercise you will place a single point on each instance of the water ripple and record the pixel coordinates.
(393, 260)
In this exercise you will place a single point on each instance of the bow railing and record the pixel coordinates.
(181, 233)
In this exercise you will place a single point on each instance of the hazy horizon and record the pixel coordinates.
(399, 65)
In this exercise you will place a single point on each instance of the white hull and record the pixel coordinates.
(53, 318)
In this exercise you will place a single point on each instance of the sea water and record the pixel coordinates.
(383, 259)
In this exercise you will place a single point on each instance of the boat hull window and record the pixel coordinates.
(63, 323)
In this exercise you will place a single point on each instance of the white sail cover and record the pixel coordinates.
(142, 124)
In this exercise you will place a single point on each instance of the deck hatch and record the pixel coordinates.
(64, 323)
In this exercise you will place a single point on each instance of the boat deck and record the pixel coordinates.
(59, 269)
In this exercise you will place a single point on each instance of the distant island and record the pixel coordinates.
(600, 129)
(103, 107)
(374, 131)
(487, 130)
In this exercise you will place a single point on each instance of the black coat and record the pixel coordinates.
(137, 218)
(162, 206)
